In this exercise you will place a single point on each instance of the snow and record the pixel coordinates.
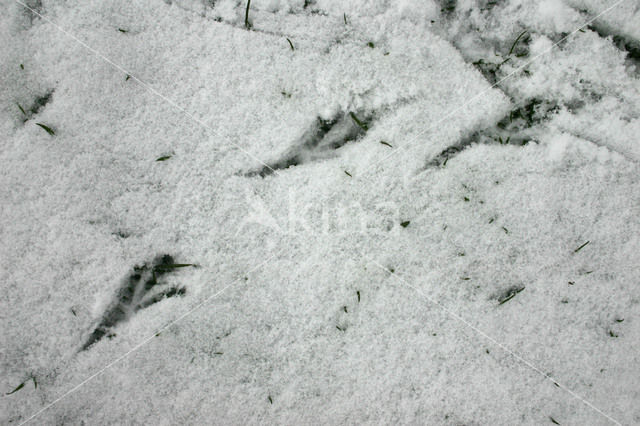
(307, 301)
(624, 16)
(556, 16)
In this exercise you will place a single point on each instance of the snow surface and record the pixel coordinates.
(441, 277)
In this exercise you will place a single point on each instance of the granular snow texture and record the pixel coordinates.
(348, 212)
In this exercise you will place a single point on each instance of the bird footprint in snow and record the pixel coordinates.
(140, 290)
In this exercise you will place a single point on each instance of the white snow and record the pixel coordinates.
(310, 302)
